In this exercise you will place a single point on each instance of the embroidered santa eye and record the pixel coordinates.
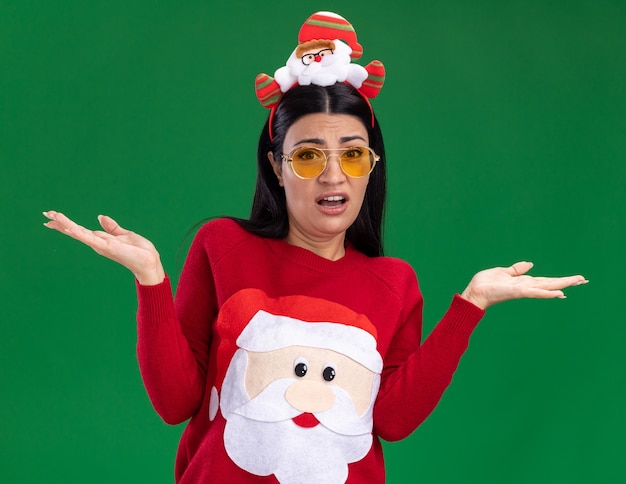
(300, 367)
(329, 372)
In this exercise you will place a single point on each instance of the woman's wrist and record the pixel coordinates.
(151, 277)
(470, 297)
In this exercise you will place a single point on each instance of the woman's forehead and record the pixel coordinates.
(326, 127)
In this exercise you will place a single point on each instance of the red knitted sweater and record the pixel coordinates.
(181, 349)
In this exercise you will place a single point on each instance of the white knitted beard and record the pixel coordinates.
(261, 437)
(295, 455)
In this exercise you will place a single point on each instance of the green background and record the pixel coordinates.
(505, 127)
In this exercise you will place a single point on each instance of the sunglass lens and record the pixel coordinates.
(357, 161)
(308, 162)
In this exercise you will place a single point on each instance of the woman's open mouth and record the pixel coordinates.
(332, 202)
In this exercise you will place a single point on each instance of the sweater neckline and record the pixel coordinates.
(310, 259)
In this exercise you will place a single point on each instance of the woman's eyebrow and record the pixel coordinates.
(315, 141)
(346, 139)
(319, 141)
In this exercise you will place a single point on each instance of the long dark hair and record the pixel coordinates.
(268, 217)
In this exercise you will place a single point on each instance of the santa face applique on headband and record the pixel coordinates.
(296, 380)
(320, 62)
(327, 44)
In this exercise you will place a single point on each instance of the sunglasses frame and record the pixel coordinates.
(338, 152)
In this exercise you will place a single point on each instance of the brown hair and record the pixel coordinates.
(314, 44)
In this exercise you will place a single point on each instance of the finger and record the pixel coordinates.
(101, 234)
(72, 228)
(519, 268)
(539, 293)
(555, 283)
(58, 221)
(50, 215)
(111, 226)
(64, 224)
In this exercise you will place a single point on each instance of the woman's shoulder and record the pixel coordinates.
(221, 226)
(395, 272)
(220, 235)
(389, 263)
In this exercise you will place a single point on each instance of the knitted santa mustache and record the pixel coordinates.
(262, 437)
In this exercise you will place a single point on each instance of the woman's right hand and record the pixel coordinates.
(123, 246)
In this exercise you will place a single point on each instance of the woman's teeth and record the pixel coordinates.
(333, 201)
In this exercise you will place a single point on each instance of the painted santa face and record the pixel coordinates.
(317, 373)
(297, 395)
(304, 411)
(321, 209)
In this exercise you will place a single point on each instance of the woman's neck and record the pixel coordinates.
(332, 248)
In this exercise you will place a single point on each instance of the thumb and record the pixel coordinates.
(520, 268)
(111, 226)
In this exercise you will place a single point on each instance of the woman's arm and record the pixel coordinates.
(120, 245)
(414, 381)
(171, 371)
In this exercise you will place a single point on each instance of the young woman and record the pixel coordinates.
(293, 345)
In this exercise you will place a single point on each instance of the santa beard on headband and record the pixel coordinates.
(262, 437)
(332, 68)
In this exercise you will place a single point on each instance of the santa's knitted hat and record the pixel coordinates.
(255, 322)
(330, 26)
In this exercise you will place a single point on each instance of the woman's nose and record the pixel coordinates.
(333, 173)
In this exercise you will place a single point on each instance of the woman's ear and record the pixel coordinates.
(276, 167)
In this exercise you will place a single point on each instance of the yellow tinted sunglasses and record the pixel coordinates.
(308, 162)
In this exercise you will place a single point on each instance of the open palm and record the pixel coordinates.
(499, 284)
(131, 250)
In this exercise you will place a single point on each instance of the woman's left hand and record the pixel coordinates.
(501, 284)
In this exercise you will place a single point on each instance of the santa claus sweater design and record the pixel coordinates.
(291, 367)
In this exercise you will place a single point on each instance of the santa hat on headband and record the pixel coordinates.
(253, 321)
(329, 25)
(323, 26)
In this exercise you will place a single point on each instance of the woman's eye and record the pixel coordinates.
(308, 155)
(353, 153)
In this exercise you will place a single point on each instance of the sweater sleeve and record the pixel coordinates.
(413, 381)
(173, 338)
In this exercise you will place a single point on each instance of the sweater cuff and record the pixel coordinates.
(462, 317)
(155, 303)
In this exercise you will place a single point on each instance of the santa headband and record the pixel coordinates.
(327, 43)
